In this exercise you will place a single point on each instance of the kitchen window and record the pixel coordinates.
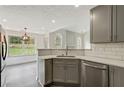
(79, 43)
(17, 47)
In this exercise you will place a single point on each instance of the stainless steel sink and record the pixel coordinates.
(64, 56)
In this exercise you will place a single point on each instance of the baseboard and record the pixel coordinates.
(39, 82)
(49, 85)
(61, 84)
(58, 84)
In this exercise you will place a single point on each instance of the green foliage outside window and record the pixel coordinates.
(17, 47)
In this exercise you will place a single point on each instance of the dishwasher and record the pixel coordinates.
(94, 74)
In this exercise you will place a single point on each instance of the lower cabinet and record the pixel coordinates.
(116, 76)
(48, 71)
(58, 71)
(72, 72)
(66, 71)
(45, 71)
(76, 72)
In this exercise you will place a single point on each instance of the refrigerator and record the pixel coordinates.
(3, 55)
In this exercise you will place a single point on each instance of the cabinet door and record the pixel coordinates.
(120, 23)
(116, 77)
(72, 72)
(101, 24)
(58, 71)
(48, 71)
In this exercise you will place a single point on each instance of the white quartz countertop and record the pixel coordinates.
(55, 56)
(107, 61)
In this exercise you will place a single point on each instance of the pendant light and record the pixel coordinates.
(25, 37)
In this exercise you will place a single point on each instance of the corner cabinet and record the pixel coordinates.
(107, 24)
(66, 71)
(116, 75)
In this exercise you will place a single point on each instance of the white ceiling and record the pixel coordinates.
(45, 18)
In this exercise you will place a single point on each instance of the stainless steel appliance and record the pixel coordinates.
(94, 74)
(3, 55)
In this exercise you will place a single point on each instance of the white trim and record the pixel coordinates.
(39, 82)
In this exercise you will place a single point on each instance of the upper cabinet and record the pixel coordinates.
(101, 24)
(119, 22)
(107, 24)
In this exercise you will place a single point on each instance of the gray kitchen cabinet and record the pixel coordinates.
(48, 71)
(58, 71)
(101, 24)
(116, 76)
(72, 71)
(44, 71)
(107, 24)
(118, 23)
(66, 71)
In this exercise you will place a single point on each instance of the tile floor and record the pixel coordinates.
(22, 75)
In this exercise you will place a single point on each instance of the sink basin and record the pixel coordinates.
(64, 56)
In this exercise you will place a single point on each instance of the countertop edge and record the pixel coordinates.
(113, 62)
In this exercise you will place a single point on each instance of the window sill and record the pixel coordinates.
(22, 55)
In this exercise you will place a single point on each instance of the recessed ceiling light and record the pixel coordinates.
(53, 21)
(76, 5)
(4, 20)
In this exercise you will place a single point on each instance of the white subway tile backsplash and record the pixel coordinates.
(122, 57)
(75, 52)
(107, 50)
(42, 52)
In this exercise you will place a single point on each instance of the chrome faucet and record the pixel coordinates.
(66, 51)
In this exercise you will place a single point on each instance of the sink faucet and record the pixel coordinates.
(66, 51)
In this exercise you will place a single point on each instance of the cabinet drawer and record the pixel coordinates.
(58, 61)
(72, 61)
